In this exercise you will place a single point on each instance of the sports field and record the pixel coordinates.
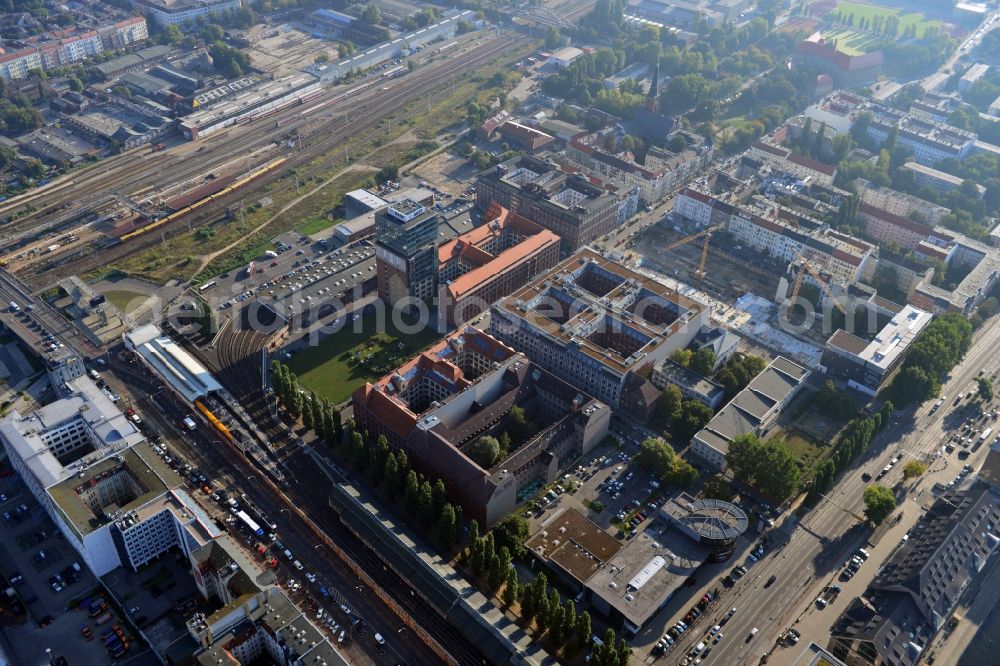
(860, 10)
(355, 355)
(851, 42)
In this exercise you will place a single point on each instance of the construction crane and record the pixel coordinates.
(707, 234)
(819, 280)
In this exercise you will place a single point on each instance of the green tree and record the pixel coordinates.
(703, 361)
(568, 619)
(694, 416)
(742, 456)
(75, 84)
(495, 572)
(984, 388)
(656, 456)
(518, 425)
(583, 629)
(338, 426)
(668, 406)
(425, 505)
(390, 476)
(913, 469)
(718, 487)
(778, 474)
(879, 503)
(372, 15)
(682, 357)
(552, 38)
(440, 497)
(485, 451)
(411, 492)
(447, 530)
(511, 533)
(554, 621)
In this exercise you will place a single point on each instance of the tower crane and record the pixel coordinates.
(806, 266)
(707, 234)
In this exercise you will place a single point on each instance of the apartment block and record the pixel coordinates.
(661, 173)
(898, 203)
(806, 168)
(596, 323)
(437, 405)
(178, 12)
(930, 141)
(925, 176)
(869, 365)
(568, 205)
(479, 267)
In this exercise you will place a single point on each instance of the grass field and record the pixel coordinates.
(861, 10)
(851, 42)
(355, 355)
(125, 300)
(805, 450)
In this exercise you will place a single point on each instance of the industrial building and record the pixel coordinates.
(868, 365)
(919, 587)
(438, 404)
(752, 411)
(251, 105)
(106, 490)
(596, 324)
(477, 268)
(567, 205)
(346, 27)
(185, 376)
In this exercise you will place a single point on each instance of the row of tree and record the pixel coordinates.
(682, 417)
(938, 348)
(767, 466)
(317, 415)
(854, 440)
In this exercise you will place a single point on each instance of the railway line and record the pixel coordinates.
(421, 83)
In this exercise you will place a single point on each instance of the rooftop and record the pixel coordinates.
(608, 312)
(711, 520)
(574, 544)
(647, 571)
(688, 379)
(542, 181)
(894, 339)
(174, 364)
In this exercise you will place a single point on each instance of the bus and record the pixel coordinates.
(208, 285)
(248, 522)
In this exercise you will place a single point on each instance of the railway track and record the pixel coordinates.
(403, 91)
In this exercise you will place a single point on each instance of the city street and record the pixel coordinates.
(805, 555)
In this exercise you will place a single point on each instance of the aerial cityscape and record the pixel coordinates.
(527, 332)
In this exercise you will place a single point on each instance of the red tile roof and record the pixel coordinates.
(815, 48)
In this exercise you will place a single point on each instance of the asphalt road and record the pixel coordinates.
(803, 555)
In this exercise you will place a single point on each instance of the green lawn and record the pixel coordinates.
(851, 42)
(805, 450)
(863, 10)
(316, 223)
(125, 300)
(355, 355)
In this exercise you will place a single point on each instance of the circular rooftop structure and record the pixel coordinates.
(715, 521)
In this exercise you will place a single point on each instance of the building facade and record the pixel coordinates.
(179, 12)
(595, 323)
(483, 265)
(567, 205)
(405, 253)
(73, 48)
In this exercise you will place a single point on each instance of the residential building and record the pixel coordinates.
(979, 262)
(752, 411)
(917, 590)
(847, 71)
(930, 141)
(898, 203)
(595, 323)
(405, 253)
(437, 405)
(925, 176)
(889, 228)
(568, 205)
(869, 365)
(910, 271)
(479, 267)
(661, 173)
(21, 63)
(972, 75)
(806, 168)
(115, 501)
(178, 12)
(838, 110)
(692, 385)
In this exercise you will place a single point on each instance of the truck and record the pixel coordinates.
(98, 607)
(104, 619)
(52, 248)
(986, 434)
(938, 404)
(189, 423)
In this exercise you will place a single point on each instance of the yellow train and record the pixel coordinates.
(176, 215)
(216, 423)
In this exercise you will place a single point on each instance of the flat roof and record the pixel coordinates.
(894, 338)
(676, 373)
(139, 461)
(367, 198)
(615, 309)
(575, 544)
(174, 364)
(641, 577)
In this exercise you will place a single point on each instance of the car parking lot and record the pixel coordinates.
(48, 578)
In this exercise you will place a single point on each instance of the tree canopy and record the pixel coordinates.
(767, 466)
(880, 502)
